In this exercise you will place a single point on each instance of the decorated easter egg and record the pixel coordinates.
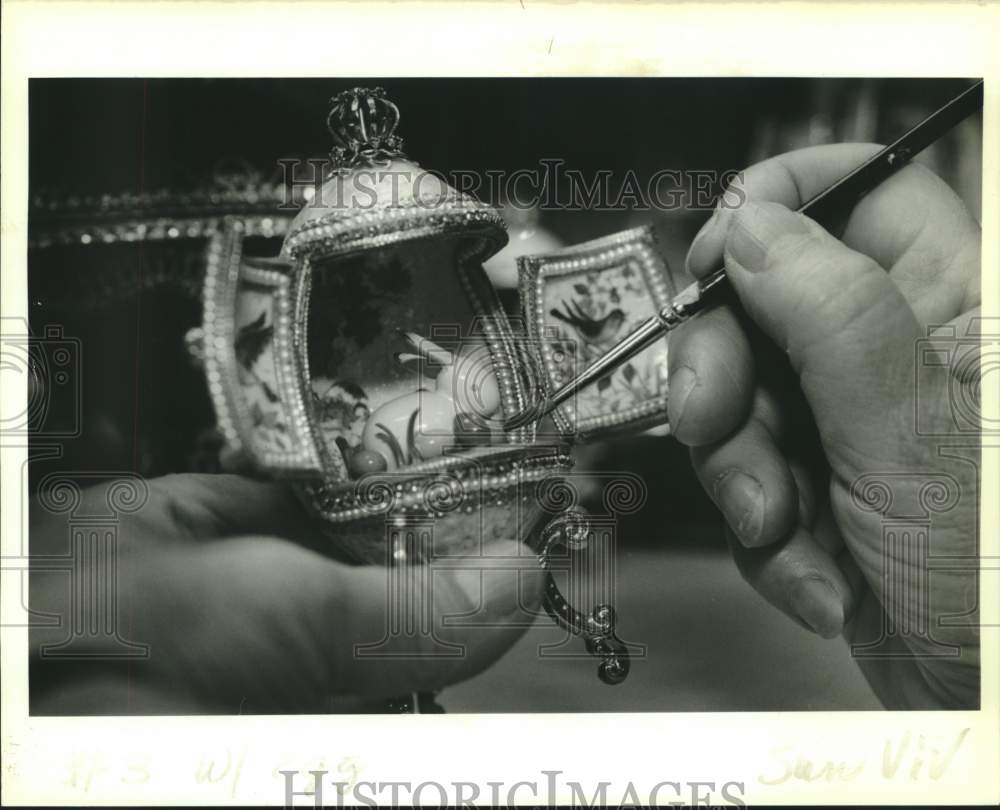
(412, 428)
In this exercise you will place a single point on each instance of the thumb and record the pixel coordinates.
(847, 329)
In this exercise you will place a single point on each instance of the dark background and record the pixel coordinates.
(120, 134)
(114, 135)
(144, 406)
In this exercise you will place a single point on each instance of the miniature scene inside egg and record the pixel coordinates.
(399, 374)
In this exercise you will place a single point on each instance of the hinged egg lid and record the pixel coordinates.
(375, 196)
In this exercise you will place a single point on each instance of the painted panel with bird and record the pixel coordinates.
(255, 362)
(590, 311)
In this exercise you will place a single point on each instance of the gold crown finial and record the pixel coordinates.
(363, 122)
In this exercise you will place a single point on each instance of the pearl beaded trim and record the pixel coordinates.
(224, 272)
(420, 217)
(330, 490)
(458, 483)
(636, 244)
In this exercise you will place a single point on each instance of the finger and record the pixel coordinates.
(323, 628)
(476, 607)
(212, 506)
(919, 230)
(749, 480)
(260, 624)
(800, 579)
(711, 377)
(790, 179)
(844, 325)
(186, 506)
(913, 224)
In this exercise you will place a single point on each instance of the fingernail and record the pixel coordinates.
(680, 385)
(756, 226)
(741, 498)
(816, 603)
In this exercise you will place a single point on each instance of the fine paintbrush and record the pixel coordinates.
(825, 208)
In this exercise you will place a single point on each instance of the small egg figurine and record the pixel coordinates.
(422, 425)
(410, 429)
(361, 461)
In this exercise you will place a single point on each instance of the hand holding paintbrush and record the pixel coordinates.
(826, 208)
(837, 425)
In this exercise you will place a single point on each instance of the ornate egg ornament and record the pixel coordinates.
(371, 364)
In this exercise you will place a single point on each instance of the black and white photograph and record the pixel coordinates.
(362, 397)
(287, 368)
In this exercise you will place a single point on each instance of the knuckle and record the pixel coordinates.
(835, 289)
(795, 249)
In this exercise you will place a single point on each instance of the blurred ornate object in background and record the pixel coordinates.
(123, 273)
(527, 237)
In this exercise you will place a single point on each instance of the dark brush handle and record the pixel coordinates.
(835, 202)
